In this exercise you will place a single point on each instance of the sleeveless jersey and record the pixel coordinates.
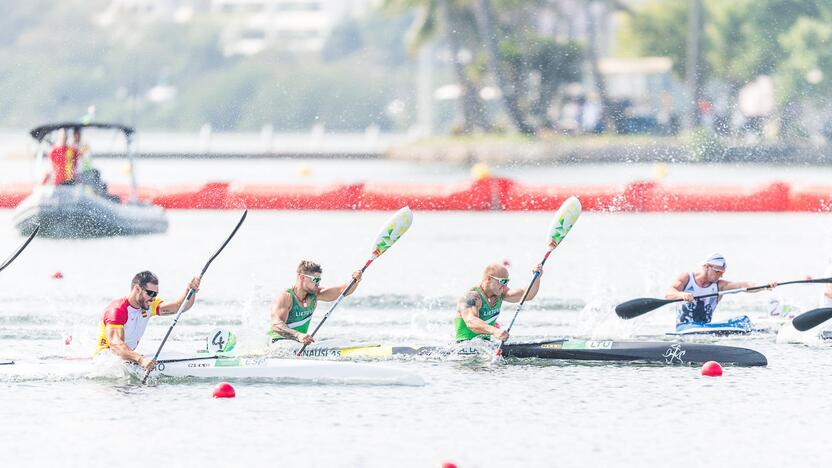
(700, 310)
(299, 316)
(487, 314)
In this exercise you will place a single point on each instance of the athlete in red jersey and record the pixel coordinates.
(64, 161)
(125, 319)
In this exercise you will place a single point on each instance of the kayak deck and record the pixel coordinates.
(663, 352)
(293, 370)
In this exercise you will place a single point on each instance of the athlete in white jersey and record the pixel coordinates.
(125, 319)
(707, 281)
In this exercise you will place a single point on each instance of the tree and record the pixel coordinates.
(487, 27)
(451, 20)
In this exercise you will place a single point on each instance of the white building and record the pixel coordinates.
(249, 26)
(294, 25)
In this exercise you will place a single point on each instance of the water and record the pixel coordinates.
(472, 413)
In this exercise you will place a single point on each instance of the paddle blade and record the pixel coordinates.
(393, 229)
(565, 218)
(635, 307)
(812, 318)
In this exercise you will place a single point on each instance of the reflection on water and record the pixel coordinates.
(531, 413)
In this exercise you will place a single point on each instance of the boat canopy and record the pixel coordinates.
(39, 133)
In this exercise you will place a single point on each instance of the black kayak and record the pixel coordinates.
(661, 352)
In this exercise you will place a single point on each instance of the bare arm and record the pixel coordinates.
(468, 308)
(279, 315)
(516, 294)
(676, 290)
(172, 307)
(115, 336)
(726, 285)
(332, 293)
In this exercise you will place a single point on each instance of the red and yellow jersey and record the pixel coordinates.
(120, 314)
(64, 163)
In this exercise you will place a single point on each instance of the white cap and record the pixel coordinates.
(716, 260)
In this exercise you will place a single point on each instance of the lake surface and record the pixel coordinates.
(470, 412)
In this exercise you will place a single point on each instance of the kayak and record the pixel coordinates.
(662, 352)
(226, 367)
(735, 326)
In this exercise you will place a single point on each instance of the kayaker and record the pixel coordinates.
(478, 309)
(707, 281)
(125, 319)
(292, 309)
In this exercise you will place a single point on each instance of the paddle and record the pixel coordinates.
(635, 307)
(20, 249)
(565, 218)
(191, 292)
(393, 229)
(812, 318)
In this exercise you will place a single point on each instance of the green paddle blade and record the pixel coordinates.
(635, 307)
(812, 318)
(394, 228)
(565, 218)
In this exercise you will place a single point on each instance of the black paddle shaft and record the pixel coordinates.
(20, 249)
(191, 291)
(334, 305)
(636, 307)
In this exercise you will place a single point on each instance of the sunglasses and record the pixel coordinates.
(315, 279)
(150, 293)
(503, 281)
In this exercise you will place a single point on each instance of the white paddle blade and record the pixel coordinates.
(565, 218)
(394, 228)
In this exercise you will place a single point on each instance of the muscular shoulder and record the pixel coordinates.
(681, 280)
(283, 300)
(470, 299)
(116, 312)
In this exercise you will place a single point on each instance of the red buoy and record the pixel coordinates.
(57, 275)
(448, 465)
(224, 390)
(712, 369)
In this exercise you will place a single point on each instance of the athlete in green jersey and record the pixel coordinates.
(292, 309)
(477, 311)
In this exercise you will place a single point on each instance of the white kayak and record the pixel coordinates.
(292, 370)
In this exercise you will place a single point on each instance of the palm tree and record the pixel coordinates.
(486, 25)
(446, 16)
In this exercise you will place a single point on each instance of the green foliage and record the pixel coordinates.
(807, 70)
(553, 65)
(55, 61)
(741, 38)
(658, 28)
